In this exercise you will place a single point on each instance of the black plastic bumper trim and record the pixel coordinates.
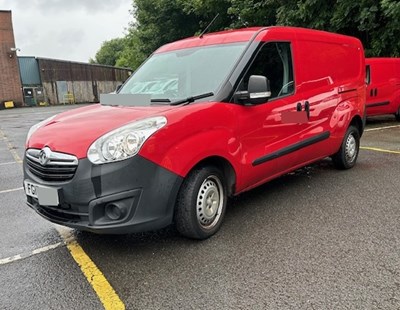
(378, 104)
(292, 148)
(144, 191)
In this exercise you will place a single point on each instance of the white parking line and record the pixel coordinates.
(10, 147)
(14, 258)
(381, 128)
(103, 289)
(8, 163)
(33, 113)
(11, 190)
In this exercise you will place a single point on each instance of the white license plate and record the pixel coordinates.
(47, 196)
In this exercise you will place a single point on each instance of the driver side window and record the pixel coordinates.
(274, 61)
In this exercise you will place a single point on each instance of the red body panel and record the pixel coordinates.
(74, 131)
(383, 90)
(329, 73)
(242, 134)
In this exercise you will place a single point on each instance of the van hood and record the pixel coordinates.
(73, 132)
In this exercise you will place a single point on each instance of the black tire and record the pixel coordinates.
(347, 155)
(201, 203)
(397, 115)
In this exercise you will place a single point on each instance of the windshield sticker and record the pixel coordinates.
(125, 99)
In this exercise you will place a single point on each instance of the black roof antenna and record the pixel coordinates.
(209, 25)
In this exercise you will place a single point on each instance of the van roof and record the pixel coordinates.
(247, 34)
(221, 37)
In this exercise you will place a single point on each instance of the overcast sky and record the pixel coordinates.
(66, 29)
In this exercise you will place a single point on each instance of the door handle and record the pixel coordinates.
(376, 92)
(307, 109)
(299, 107)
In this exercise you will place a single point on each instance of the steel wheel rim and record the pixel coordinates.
(351, 148)
(210, 201)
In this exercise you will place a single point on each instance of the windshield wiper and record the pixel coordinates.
(160, 100)
(182, 101)
(192, 99)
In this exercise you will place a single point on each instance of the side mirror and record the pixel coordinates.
(258, 91)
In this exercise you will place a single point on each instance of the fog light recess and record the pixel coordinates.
(114, 211)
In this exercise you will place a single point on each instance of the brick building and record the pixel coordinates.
(10, 82)
(33, 80)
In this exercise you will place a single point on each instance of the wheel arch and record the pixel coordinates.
(226, 168)
(358, 123)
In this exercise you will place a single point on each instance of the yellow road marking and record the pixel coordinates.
(94, 276)
(10, 147)
(378, 150)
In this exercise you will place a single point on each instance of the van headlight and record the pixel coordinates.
(124, 142)
(37, 126)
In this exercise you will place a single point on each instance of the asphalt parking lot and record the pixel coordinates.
(317, 238)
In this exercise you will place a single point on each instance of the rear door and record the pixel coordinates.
(379, 88)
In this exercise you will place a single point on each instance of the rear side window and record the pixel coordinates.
(274, 61)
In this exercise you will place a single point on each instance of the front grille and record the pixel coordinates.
(57, 167)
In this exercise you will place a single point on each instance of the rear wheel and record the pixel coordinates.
(201, 203)
(347, 155)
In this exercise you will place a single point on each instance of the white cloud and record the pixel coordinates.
(91, 6)
(69, 30)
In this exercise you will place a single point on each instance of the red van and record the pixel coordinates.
(201, 120)
(383, 86)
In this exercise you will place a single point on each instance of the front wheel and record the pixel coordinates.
(347, 155)
(201, 203)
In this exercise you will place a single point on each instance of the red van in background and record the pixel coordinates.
(202, 119)
(383, 86)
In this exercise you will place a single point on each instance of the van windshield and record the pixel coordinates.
(180, 74)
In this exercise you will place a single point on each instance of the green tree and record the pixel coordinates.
(161, 21)
(247, 13)
(375, 23)
(207, 10)
(157, 22)
(110, 52)
(131, 56)
(384, 38)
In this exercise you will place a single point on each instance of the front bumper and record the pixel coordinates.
(142, 192)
